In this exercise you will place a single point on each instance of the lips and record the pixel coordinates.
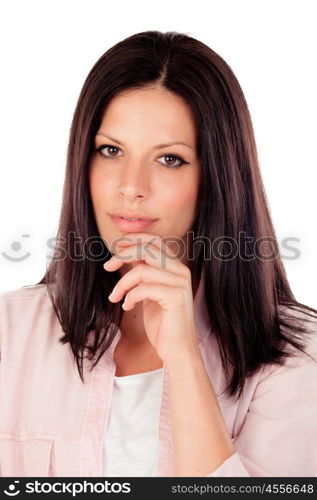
(133, 216)
(131, 226)
(130, 219)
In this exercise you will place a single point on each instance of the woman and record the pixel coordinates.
(201, 362)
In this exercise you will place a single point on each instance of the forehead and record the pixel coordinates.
(149, 111)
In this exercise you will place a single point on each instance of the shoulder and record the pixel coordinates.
(298, 367)
(24, 292)
(23, 311)
(307, 320)
(25, 298)
(288, 391)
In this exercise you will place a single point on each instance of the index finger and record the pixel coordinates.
(163, 244)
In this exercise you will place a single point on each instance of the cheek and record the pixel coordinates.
(180, 197)
(99, 187)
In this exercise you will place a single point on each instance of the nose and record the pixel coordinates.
(135, 180)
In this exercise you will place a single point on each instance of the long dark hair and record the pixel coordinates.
(249, 301)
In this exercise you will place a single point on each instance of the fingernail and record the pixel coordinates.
(112, 293)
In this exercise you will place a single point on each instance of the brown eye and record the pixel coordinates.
(111, 149)
(170, 162)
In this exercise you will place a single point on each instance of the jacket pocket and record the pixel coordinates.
(25, 458)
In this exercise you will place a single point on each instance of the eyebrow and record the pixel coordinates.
(158, 146)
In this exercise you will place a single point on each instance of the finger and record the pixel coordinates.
(148, 239)
(152, 256)
(147, 274)
(165, 295)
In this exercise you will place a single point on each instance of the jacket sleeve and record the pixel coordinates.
(279, 433)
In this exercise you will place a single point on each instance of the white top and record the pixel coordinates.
(131, 444)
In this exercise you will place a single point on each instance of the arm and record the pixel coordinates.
(279, 433)
(200, 439)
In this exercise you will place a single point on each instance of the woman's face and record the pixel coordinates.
(134, 172)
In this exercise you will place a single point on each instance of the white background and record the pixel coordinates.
(47, 50)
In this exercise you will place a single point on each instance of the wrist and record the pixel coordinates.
(183, 357)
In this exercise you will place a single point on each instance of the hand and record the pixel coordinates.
(166, 294)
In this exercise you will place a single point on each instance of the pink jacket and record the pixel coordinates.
(53, 425)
